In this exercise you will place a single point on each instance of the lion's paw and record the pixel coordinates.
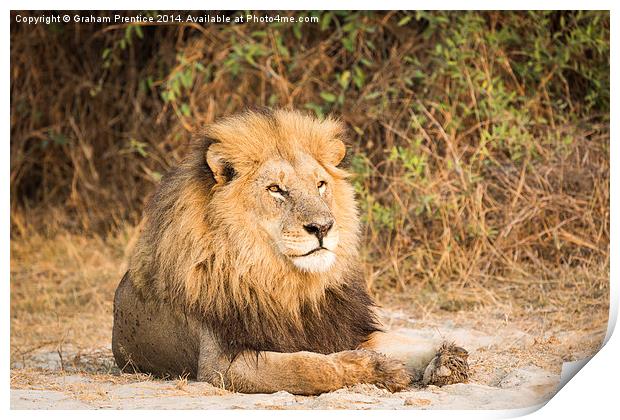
(449, 366)
(377, 369)
(389, 373)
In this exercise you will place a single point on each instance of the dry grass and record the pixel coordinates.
(62, 289)
(40, 379)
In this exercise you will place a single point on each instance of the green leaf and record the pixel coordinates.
(344, 79)
(186, 110)
(259, 34)
(372, 95)
(347, 44)
(325, 21)
(328, 97)
(186, 78)
(359, 77)
(404, 20)
(318, 110)
(139, 147)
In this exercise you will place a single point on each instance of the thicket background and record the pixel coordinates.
(481, 140)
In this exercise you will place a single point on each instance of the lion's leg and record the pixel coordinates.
(303, 373)
(428, 361)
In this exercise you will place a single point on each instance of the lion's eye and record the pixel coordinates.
(276, 191)
(321, 186)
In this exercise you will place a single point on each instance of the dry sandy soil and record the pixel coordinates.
(512, 367)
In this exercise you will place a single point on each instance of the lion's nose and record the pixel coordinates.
(319, 229)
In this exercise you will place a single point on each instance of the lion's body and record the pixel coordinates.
(230, 266)
(149, 338)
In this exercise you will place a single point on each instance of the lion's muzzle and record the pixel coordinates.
(319, 229)
(313, 247)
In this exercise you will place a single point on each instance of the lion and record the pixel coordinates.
(246, 272)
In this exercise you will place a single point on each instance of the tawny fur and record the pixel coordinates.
(209, 292)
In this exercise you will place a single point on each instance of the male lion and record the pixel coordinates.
(246, 274)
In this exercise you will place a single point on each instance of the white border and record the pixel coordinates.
(593, 393)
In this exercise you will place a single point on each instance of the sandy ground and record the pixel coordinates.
(514, 365)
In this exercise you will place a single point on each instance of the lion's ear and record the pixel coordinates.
(223, 171)
(345, 162)
(336, 151)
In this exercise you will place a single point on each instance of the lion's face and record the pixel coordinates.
(279, 189)
(293, 204)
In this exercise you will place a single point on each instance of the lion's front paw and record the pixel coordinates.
(389, 373)
(365, 366)
(449, 366)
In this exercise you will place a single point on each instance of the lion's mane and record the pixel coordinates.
(198, 256)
